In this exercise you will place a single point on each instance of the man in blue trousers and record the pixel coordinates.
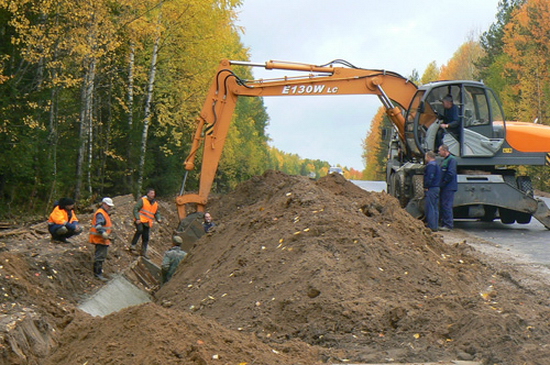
(449, 186)
(432, 180)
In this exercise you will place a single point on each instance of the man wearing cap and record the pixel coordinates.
(100, 235)
(63, 222)
(451, 121)
(145, 213)
(172, 259)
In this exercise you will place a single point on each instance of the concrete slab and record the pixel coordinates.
(118, 294)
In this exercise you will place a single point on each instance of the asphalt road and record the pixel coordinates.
(531, 241)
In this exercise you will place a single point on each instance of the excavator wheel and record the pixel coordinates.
(418, 186)
(490, 214)
(507, 216)
(415, 206)
(397, 189)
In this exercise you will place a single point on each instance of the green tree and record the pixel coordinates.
(431, 73)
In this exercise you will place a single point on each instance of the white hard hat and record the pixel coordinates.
(108, 201)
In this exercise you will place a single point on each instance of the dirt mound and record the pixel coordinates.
(42, 282)
(150, 334)
(297, 271)
(334, 266)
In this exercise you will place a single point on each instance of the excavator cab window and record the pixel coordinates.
(482, 134)
(497, 116)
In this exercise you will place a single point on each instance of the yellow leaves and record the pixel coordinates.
(527, 68)
(32, 123)
(462, 66)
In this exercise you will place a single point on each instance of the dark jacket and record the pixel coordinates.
(170, 262)
(449, 173)
(450, 117)
(432, 175)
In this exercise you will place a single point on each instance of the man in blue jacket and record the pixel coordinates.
(449, 186)
(450, 121)
(432, 180)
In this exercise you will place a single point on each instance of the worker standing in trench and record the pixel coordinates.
(172, 259)
(100, 236)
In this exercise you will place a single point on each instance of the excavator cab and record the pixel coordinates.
(482, 130)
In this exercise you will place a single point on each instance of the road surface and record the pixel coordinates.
(531, 241)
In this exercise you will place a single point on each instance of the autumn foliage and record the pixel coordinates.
(512, 57)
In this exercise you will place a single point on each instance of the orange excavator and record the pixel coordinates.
(487, 146)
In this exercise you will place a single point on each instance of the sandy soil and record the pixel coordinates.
(297, 271)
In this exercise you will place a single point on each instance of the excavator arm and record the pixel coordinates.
(394, 91)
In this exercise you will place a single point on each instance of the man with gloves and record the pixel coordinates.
(63, 222)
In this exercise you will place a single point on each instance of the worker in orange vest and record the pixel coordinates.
(63, 222)
(101, 235)
(145, 213)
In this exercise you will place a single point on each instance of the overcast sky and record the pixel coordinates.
(396, 35)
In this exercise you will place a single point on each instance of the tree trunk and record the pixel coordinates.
(130, 115)
(147, 113)
(52, 141)
(89, 109)
(107, 133)
(85, 125)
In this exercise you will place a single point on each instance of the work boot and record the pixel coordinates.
(144, 255)
(101, 277)
(58, 239)
(98, 271)
(133, 248)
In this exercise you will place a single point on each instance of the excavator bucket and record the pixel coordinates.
(190, 230)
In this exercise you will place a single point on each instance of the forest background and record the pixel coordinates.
(100, 98)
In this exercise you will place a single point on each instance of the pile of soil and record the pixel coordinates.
(297, 271)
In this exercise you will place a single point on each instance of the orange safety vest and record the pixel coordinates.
(148, 211)
(61, 216)
(95, 236)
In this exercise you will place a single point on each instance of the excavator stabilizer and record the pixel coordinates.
(542, 214)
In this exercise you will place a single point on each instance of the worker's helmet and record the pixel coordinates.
(108, 201)
(177, 240)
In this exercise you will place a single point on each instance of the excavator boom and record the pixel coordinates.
(394, 91)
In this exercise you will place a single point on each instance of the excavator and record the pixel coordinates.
(486, 150)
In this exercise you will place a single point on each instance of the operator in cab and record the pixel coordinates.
(451, 120)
